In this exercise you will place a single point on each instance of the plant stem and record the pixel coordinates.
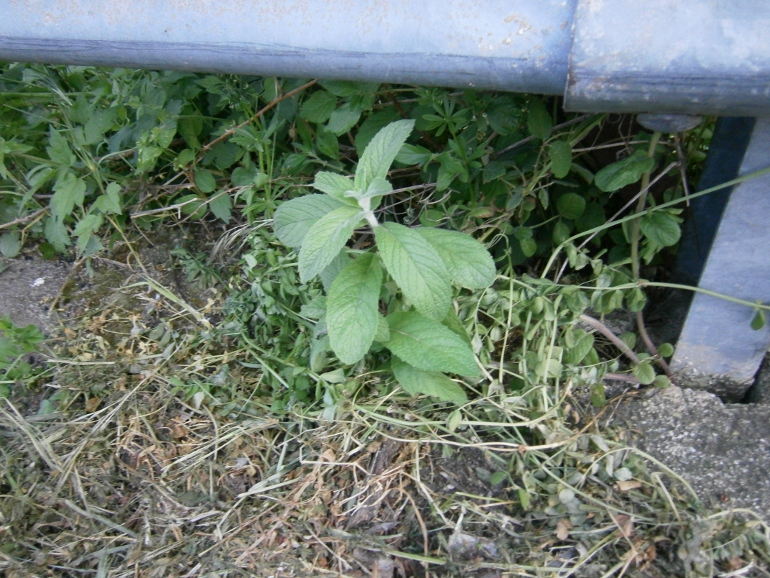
(640, 209)
(270, 105)
(650, 345)
(635, 267)
(607, 332)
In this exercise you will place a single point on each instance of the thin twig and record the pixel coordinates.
(272, 104)
(622, 377)
(524, 141)
(607, 332)
(21, 220)
(682, 168)
(650, 345)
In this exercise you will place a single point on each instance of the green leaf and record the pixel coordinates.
(377, 188)
(293, 219)
(539, 120)
(494, 170)
(85, 228)
(560, 154)
(380, 153)
(221, 206)
(571, 206)
(243, 177)
(413, 155)
(192, 205)
(504, 114)
(416, 267)
(469, 263)
(10, 244)
(315, 309)
(372, 125)
(428, 345)
(452, 321)
(205, 181)
(598, 395)
(343, 119)
(99, 123)
(351, 309)
(325, 240)
(56, 234)
(584, 342)
(624, 172)
(319, 107)
(758, 322)
(560, 232)
(645, 373)
(332, 184)
(109, 202)
(327, 143)
(58, 149)
(225, 154)
(333, 269)
(528, 246)
(416, 382)
(661, 381)
(68, 192)
(666, 350)
(383, 331)
(661, 228)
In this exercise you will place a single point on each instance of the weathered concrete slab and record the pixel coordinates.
(718, 350)
(27, 287)
(760, 391)
(722, 450)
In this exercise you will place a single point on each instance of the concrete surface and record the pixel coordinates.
(718, 351)
(722, 450)
(28, 286)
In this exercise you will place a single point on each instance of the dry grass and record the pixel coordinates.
(133, 476)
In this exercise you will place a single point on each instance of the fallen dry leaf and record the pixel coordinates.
(562, 529)
(628, 485)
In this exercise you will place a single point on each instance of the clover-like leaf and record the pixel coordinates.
(661, 228)
(624, 172)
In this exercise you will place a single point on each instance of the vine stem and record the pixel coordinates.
(640, 209)
(635, 267)
(726, 184)
(607, 332)
(755, 305)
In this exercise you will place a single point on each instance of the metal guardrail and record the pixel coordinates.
(698, 56)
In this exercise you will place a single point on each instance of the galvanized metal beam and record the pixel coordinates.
(518, 45)
(699, 56)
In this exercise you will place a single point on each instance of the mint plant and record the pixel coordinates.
(423, 262)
